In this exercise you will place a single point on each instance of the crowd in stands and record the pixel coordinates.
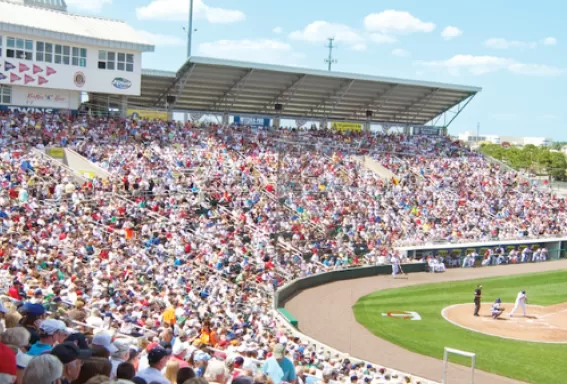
(163, 271)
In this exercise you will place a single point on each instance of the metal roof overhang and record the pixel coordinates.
(217, 86)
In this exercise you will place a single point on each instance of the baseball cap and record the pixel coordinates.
(7, 360)
(157, 354)
(33, 309)
(179, 349)
(68, 352)
(278, 351)
(52, 326)
(104, 339)
(79, 339)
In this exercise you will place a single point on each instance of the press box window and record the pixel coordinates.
(79, 57)
(19, 48)
(1, 39)
(44, 52)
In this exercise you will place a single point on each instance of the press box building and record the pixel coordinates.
(48, 56)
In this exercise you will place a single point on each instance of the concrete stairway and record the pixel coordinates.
(374, 166)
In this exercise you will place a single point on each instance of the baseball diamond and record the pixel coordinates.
(418, 345)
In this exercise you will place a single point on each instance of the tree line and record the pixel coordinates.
(536, 160)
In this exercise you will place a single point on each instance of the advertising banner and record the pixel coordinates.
(346, 126)
(428, 131)
(29, 110)
(146, 114)
(254, 122)
(56, 153)
(45, 98)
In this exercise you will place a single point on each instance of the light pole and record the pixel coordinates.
(190, 29)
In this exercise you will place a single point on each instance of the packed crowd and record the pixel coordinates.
(165, 268)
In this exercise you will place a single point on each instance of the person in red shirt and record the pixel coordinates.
(15, 290)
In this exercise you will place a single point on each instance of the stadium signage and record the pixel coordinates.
(253, 122)
(428, 131)
(403, 315)
(28, 110)
(121, 83)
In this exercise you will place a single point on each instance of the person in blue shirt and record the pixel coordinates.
(279, 368)
(51, 332)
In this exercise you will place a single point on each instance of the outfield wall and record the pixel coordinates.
(291, 289)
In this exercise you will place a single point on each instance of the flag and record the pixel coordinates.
(37, 69)
(2, 76)
(8, 66)
(14, 77)
(50, 71)
(41, 80)
(28, 79)
(23, 68)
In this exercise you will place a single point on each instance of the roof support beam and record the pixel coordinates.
(187, 72)
(323, 102)
(380, 98)
(181, 86)
(295, 85)
(341, 98)
(426, 98)
(238, 85)
(460, 108)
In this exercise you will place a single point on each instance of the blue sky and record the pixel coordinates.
(514, 50)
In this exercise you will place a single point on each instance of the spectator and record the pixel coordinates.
(8, 370)
(179, 353)
(184, 374)
(33, 316)
(125, 371)
(44, 369)
(171, 370)
(51, 332)
(17, 339)
(278, 367)
(104, 339)
(120, 356)
(3, 312)
(91, 367)
(72, 359)
(157, 360)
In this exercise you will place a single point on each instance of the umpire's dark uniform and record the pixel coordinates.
(477, 296)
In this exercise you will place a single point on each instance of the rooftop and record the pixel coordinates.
(49, 19)
(216, 85)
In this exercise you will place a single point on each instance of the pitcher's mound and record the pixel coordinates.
(542, 324)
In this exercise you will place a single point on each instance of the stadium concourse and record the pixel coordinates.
(169, 263)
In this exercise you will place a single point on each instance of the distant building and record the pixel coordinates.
(475, 140)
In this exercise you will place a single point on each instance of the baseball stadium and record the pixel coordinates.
(243, 221)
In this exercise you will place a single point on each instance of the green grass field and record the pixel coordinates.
(529, 362)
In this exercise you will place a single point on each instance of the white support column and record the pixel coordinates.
(276, 122)
(225, 118)
(123, 106)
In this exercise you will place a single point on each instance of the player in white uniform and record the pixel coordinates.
(395, 265)
(521, 301)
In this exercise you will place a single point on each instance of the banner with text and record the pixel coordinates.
(146, 114)
(346, 126)
(428, 131)
(46, 98)
(254, 122)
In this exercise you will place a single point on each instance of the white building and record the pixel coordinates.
(48, 56)
(474, 139)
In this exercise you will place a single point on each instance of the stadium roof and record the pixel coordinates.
(49, 20)
(216, 85)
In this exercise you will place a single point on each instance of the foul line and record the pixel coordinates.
(443, 313)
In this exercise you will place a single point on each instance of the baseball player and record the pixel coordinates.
(497, 309)
(521, 301)
(396, 267)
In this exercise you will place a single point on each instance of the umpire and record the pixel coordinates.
(477, 297)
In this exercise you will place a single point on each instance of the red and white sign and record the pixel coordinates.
(23, 67)
(14, 77)
(28, 79)
(42, 80)
(50, 71)
(37, 69)
(44, 97)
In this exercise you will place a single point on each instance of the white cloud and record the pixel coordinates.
(93, 6)
(400, 52)
(260, 50)
(550, 41)
(451, 32)
(159, 39)
(277, 30)
(480, 65)
(321, 31)
(379, 38)
(549, 116)
(500, 43)
(392, 21)
(179, 10)
(359, 47)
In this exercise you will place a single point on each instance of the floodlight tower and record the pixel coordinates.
(190, 29)
(330, 60)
